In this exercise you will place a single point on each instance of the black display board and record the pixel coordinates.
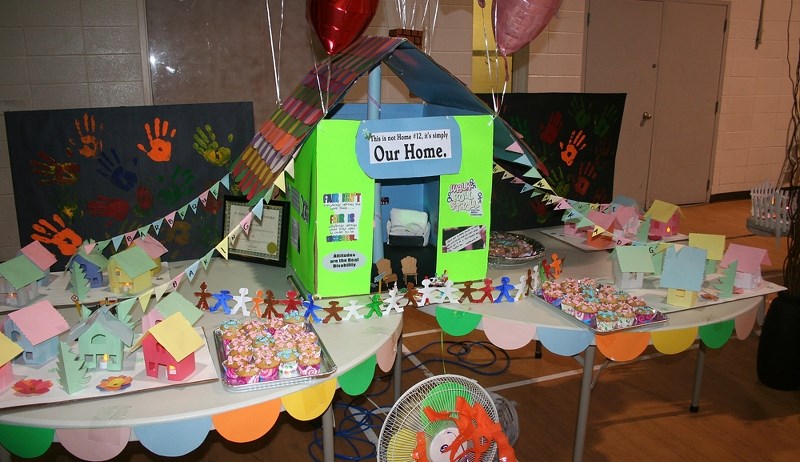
(101, 172)
(575, 137)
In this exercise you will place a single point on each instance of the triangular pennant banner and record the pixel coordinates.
(280, 182)
(258, 210)
(207, 259)
(191, 271)
(533, 173)
(126, 305)
(170, 219)
(159, 291)
(497, 169)
(129, 237)
(523, 160)
(226, 181)
(117, 240)
(526, 188)
(144, 299)
(204, 198)
(597, 231)
(102, 245)
(89, 247)
(182, 211)
(222, 248)
(214, 190)
(542, 184)
(193, 204)
(518, 181)
(157, 225)
(245, 223)
(562, 205)
(144, 230)
(507, 175)
(176, 281)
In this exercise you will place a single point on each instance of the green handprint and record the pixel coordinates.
(559, 182)
(179, 185)
(602, 123)
(520, 124)
(579, 112)
(205, 143)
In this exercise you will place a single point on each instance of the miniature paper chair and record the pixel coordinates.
(409, 267)
(385, 273)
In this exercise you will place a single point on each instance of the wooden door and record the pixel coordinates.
(667, 57)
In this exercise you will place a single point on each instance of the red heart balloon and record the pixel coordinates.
(518, 22)
(339, 22)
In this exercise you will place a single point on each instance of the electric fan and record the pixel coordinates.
(445, 418)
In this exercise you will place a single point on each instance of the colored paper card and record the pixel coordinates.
(356, 381)
(248, 423)
(508, 335)
(661, 211)
(280, 181)
(160, 290)
(26, 442)
(89, 247)
(387, 354)
(94, 443)
(523, 159)
(683, 269)
(309, 403)
(144, 230)
(8, 349)
(157, 225)
(72, 373)
(455, 322)
(39, 321)
(204, 197)
(622, 346)
(191, 271)
(245, 223)
(177, 336)
(226, 181)
(533, 173)
(38, 254)
(713, 243)
(174, 439)
(207, 259)
(130, 236)
(101, 245)
(144, 299)
(125, 306)
(177, 303)
(170, 218)
(222, 248)
(214, 190)
(258, 209)
(514, 147)
(182, 211)
(565, 342)
(193, 204)
(716, 335)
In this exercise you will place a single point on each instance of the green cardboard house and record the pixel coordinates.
(368, 179)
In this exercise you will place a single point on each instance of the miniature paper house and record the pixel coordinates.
(628, 218)
(19, 281)
(605, 221)
(434, 158)
(153, 248)
(40, 256)
(171, 345)
(35, 328)
(683, 275)
(8, 351)
(714, 245)
(748, 269)
(169, 305)
(575, 221)
(665, 218)
(630, 264)
(129, 271)
(101, 340)
(93, 266)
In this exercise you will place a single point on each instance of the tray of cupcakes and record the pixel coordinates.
(256, 354)
(601, 307)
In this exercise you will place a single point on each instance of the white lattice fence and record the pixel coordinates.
(769, 210)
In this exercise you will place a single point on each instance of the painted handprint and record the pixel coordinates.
(559, 182)
(160, 149)
(586, 173)
(109, 207)
(112, 168)
(205, 143)
(520, 125)
(575, 144)
(602, 123)
(177, 186)
(144, 200)
(88, 142)
(65, 239)
(550, 131)
(180, 233)
(580, 112)
(52, 171)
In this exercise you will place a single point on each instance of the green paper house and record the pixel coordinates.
(129, 271)
(406, 180)
(19, 278)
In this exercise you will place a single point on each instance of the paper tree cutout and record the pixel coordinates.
(80, 284)
(124, 311)
(644, 230)
(72, 373)
(725, 284)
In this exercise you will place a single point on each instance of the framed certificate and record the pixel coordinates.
(266, 241)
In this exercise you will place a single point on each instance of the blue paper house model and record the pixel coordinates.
(683, 275)
(93, 266)
(35, 329)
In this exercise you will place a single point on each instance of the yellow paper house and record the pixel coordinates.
(129, 271)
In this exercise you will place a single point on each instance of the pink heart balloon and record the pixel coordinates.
(339, 22)
(518, 22)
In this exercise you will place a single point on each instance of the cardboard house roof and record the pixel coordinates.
(750, 258)
(39, 255)
(20, 271)
(150, 245)
(134, 261)
(177, 303)
(39, 322)
(95, 258)
(279, 140)
(112, 325)
(634, 259)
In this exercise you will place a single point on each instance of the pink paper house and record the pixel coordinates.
(664, 219)
(748, 268)
(35, 329)
(8, 351)
(628, 218)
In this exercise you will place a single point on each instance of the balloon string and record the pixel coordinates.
(316, 72)
(429, 34)
(276, 59)
(489, 60)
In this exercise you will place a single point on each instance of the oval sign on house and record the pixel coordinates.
(342, 261)
(409, 148)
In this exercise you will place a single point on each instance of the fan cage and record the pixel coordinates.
(406, 418)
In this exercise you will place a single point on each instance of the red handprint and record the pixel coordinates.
(64, 238)
(160, 148)
(89, 137)
(586, 173)
(574, 145)
(550, 131)
(144, 198)
(109, 207)
(52, 171)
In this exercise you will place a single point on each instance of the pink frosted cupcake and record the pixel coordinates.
(247, 374)
(231, 365)
(267, 364)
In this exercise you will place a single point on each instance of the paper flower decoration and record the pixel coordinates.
(115, 383)
(32, 386)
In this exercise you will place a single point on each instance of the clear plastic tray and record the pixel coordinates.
(327, 367)
(658, 319)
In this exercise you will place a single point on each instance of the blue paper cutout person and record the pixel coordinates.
(311, 309)
(504, 288)
(222, 298)
(375, 306)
